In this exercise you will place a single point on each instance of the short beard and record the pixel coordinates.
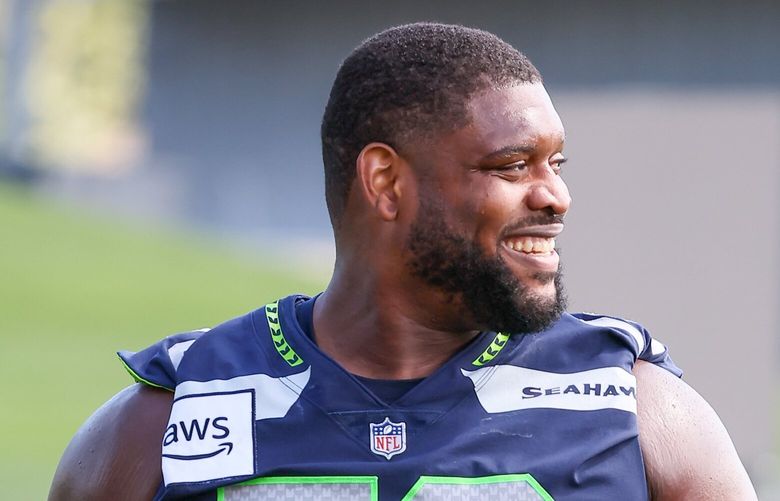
(496, 299)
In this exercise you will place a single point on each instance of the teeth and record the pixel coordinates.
(532, 245)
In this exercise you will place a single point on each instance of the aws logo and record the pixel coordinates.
(198, 430)
(210, 436)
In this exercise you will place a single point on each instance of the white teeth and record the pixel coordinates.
(532, 245)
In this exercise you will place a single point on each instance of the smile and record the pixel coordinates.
(531, 245)
(534, 250)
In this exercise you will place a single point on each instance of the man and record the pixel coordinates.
(438, 363)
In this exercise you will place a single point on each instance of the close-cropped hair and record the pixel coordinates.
(404, 84)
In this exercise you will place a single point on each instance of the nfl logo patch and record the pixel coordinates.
(388, 438)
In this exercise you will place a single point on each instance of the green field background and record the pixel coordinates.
(76, 287)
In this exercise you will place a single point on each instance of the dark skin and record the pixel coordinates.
(116, 453)
(497, 171)
(379, 320)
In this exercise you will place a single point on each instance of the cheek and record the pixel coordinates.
(499, 201)
(490, 207)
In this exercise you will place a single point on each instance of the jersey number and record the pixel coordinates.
(521, 487)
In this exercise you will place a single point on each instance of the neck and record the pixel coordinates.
(378, 327)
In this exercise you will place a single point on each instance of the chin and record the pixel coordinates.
(544, 295)
(542, 292)
(541, 284)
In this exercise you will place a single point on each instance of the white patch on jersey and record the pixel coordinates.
(177, 351)
(505, 388)
(623, 326)
(209, 437)
(656, 347)
(274, 395)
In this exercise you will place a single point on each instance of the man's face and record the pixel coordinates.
(491, 203)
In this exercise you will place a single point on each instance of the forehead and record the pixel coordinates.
(519, 116)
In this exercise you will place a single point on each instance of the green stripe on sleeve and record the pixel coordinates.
(139, 379)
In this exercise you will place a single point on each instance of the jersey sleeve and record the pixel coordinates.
(657, 353)
(156, 365)
(644, 346)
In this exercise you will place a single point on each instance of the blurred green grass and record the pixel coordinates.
(76, 287)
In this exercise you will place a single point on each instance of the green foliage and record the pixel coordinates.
(84, 80)
(74, 288)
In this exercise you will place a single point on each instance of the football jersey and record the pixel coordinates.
(259, 412)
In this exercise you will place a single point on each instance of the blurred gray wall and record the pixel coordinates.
(676, 224)
(236, 90)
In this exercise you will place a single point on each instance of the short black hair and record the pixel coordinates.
(404, 83)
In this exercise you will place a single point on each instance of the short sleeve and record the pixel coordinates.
(657, 353)
(156, 365)
(644, 346)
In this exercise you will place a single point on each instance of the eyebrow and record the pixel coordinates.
(512, 150)
(507, 151)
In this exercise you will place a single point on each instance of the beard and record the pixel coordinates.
(494, 297)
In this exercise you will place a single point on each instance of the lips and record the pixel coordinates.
(534, 247)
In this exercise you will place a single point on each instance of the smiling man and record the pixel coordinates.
(439, 362)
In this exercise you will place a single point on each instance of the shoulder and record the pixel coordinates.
(116, 452)
(687, 451)
(160, 364)
(118, 449)
(632, 335)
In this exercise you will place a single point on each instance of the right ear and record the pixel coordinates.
(381, 180)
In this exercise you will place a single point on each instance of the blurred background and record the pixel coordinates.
(160, 172)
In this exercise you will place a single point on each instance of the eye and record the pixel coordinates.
(510, 168)
(515, 166)
(557, 163)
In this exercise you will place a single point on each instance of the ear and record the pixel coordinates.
(379, 174)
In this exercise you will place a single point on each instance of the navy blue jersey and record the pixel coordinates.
(261, 413)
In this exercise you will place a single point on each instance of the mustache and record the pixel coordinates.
(534, 220)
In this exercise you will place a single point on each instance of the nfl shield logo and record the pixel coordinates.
(388, 438)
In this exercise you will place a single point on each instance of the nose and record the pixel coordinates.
(549, 192)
